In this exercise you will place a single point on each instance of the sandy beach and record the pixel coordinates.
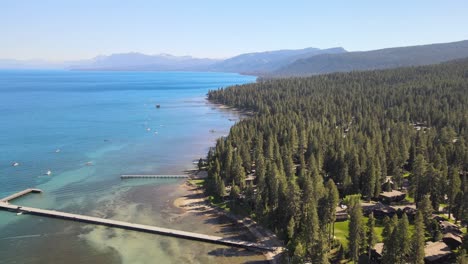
(196, 202)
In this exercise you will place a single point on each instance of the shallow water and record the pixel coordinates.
(61, 120)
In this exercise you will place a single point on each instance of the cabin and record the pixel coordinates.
(437, 252)
(376, 253)
(382, 212)
(341, 213)
(410, 212)
(250, 179)
(447, 227)
(392, 197)
(452, 240)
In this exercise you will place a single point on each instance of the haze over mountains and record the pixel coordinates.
(280, 63)
(376, 59)
(252, 63)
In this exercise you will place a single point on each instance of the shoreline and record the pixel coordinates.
(196, 202)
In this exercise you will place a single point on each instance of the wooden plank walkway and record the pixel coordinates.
(146, 176)
(19, 194)
(136, 227)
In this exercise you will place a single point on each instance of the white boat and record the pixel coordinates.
(19, 213)
(49, 172)
(15, 164)
(89, 163)
(148, 129)
(57, 150)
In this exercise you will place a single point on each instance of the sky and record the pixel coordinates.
(70, 30)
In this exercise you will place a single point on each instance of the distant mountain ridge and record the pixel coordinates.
(250, 63)
(139, 61)
(268, 64)
(375, 59)
(263, 62)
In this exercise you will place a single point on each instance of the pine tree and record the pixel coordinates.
(454, 188)
(426, 209)
(403, 238)
(418, 240)
(371, 236)
(356, 230)
(332, 202)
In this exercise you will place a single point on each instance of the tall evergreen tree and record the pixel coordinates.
(417, 240)
(356, 230)
(371, 236)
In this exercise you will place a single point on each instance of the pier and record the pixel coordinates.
(4, 205)
(19, 194)
(147, 176)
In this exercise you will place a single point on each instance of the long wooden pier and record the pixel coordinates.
(131, 226)
(147, 176)
(19, 194)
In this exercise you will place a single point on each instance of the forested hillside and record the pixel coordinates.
(313, 141)
(376, 59)
(268, 61)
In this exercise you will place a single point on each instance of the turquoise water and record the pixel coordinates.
(88, 128)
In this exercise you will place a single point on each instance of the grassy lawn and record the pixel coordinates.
(409, 199)
(197, 182)
(342, 231)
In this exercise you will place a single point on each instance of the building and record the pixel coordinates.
(437, 252)
(391, 197)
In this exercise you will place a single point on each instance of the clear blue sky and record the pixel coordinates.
(63, 30)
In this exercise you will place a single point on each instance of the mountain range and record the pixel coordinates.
(375, 59)
(279, 63)
(249, 63)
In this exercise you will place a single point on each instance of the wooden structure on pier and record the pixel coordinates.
(4, 205)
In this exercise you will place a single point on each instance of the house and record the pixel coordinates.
(376, 253)
(341, 213)
(393, 196)
(382, 212)
(452, 240)
(448, 227)
(437, 252)
(250, 179)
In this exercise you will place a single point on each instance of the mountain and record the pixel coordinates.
(253, 63)
(141, 62)
(262, 62)
(375, 59)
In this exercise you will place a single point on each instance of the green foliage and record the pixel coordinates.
(375, 59)
(356, 229)
(417, 240)
(314, 139)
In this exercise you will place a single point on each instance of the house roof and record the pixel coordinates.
(436, 250)
(392, 194)
(378, 248)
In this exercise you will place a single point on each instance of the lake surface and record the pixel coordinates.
(88, 128)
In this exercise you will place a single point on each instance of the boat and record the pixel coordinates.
(15, 164)
(49, 172)
(148, 129)
(158, 106)
(57, 150)
(19, 213)
(89, 163)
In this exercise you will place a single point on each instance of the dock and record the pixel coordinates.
(4, 205)
(152, 176)
(19, 194)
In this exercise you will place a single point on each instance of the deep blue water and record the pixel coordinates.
(62, 120)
